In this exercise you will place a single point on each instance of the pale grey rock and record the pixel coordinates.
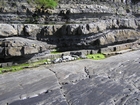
(48, 30)
(118, 36)
(92, 28)
(82, 8)
(101, 26)
(36, 87)
(72, 29)
(7, 30)
(114, 80)
(83, 56)
(31, 31)
(128, 23)
(121, 11)
(115, 23)
(20, 29)
(71, 73)
(82, 30)
(58, 60)
(17, 46)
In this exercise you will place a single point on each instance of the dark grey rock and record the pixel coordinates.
(114, 80)
(27, 89)
(111, 82)
(51, 97)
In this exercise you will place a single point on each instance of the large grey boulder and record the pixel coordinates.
(128, 23)
(16, 46)
(20, 29)
(92, 28)
(31, 30)
(48, 30)
(7, 30)
(117, 36)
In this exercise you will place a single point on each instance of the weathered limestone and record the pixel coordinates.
(97, 26)
(119, 36)
(36, 83)
(16, 46)
(87, 24)
(7, 30)
(66, 37)
(89, 82)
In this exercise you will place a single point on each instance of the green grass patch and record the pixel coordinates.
(21, 66)
(44, 3)
(96, 56)
(55, 51)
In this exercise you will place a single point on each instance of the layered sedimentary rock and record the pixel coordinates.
(95, 25)
(16, 46)
(111, 81)
(68, 37)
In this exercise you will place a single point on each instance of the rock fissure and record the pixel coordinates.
(87, 72)
(61, 86)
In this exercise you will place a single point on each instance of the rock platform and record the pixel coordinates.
(112, 81)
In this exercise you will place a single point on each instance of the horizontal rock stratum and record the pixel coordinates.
(114, 80)
(99, 25)
(25, 39)
(17, 46)
(28, 34)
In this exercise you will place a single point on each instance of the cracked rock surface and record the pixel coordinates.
(112, 81)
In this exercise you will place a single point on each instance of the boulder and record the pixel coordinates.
(76, 53)
(68, 58)
(116, 36)
(92, 28)
(58, 60)
(51, 30)
(7, 30)
(19, 28)
(83, 29)
(115, 23)
(72, 29)
(121, 11)
(31, 30)
(128, 23)
(16, 46)
(101, 26)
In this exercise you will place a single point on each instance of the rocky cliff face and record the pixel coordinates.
(73, 25)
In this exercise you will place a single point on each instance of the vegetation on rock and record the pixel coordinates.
(96, 56)
(22, 66)
(44, 3)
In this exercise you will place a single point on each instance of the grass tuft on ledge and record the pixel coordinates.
(96, 56)
(21, 66)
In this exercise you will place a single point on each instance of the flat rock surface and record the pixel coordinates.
(112, 81)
